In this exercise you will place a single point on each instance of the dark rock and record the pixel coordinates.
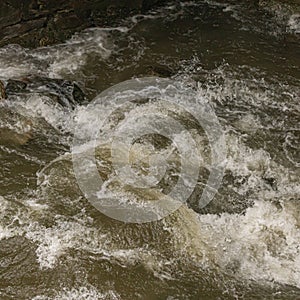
(33, 23)
(271, 182)
(159, 70)
(148, 4)
(2, 91)
(14, 31)
(65, 92)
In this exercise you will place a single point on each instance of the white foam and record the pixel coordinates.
(248, 123)
(9, 229)
(73, 54)
(55, 241)
(16, 61)
(262, 245)
(5, 232)
(81, 293)
(243, 160)
(38, 106)
(294, 23)
(55, 61)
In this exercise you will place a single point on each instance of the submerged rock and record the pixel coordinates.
(159, 71)
(18, 129)
(15, 129)
(58, 181)
(11, 137)
(19, 126)
(65, 92)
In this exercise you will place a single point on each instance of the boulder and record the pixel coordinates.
(67, 93)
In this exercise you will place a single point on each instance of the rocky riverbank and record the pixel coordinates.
(33, 23)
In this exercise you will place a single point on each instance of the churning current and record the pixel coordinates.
(244, 244)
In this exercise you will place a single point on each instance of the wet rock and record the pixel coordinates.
(15, 129)
(2, 91)
(270, 181)
(33, 23)
(11, 137)
(65, 92)
(160, 71)
(19, 127)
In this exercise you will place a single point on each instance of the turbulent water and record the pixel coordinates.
(245, 244)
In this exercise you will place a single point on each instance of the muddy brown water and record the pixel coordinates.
(243, 245)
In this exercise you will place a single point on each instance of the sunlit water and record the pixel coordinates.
(243, 245)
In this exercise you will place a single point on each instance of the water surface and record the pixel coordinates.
(243, 245)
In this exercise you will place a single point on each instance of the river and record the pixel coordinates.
(244, 244)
